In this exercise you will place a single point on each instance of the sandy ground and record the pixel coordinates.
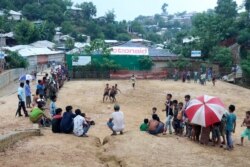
(134, 148)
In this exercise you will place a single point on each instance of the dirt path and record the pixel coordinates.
(133, 148)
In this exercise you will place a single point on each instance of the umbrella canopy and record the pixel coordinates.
(26, 77)
(205, 110)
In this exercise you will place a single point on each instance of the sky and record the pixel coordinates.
(129, 9)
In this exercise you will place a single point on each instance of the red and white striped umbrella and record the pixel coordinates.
(205, 110)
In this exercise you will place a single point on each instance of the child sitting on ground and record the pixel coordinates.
(88, 119)
(154, 110)
(144, 125)
(56, 121)
(37, 115)
(246, 132)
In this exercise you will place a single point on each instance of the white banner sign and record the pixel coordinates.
(129, 51)
(196, 53)
(81, 60)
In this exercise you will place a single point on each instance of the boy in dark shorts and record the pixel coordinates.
(222, 129)
(216, 133)
(116, 89)
(175, 120)
(106, 92)
(112, 94)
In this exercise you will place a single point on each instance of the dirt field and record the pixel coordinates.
(134, 148)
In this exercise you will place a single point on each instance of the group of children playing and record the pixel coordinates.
(110, 93)
(177, 119)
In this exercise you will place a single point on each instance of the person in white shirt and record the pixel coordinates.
(116, 122)
(133, 80)
(81, 126)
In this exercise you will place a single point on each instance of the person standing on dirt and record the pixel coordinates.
(116, 89)
(21, 103)
(28, 94)
(112, 94)
(116, 121)
(187, 124)
(40, 87)
(169, 114)
(133, 80)
(106, 93)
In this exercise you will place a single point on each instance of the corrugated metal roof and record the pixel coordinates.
(44, 43)
(37, 51)
(12, 12)
(29, 50)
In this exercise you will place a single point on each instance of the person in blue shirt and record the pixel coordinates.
(230, 126)
(52, 107)
(67, 123)
(28, 94)
(21, 103)
(40, 88)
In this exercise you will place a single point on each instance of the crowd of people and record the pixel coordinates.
(46, 89)
(78, 123)
(176, 118)
(198, 76)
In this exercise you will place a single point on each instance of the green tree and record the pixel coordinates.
(109, 31)
(67, 27)
(226, 8)
(137, 27)
(245, 65)
(32, 11)
(69, 44)
(164, 8)
(95, 31)
(154, 37)
(222, 56)
(182, 63)
(123, 37)
(110, 16)
(88, 10)
(25, 32)
(14, 60)
(53, 13)
(98, 46)
(146, 63)
(46, 31)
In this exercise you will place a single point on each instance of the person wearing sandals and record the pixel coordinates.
(81, 126)
(116, 121)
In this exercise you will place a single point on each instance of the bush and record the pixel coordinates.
(222, 56)
(146, 63)
(14, 60)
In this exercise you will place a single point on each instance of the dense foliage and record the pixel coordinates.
(14, 60)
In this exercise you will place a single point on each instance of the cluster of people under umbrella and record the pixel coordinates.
(197, 119)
